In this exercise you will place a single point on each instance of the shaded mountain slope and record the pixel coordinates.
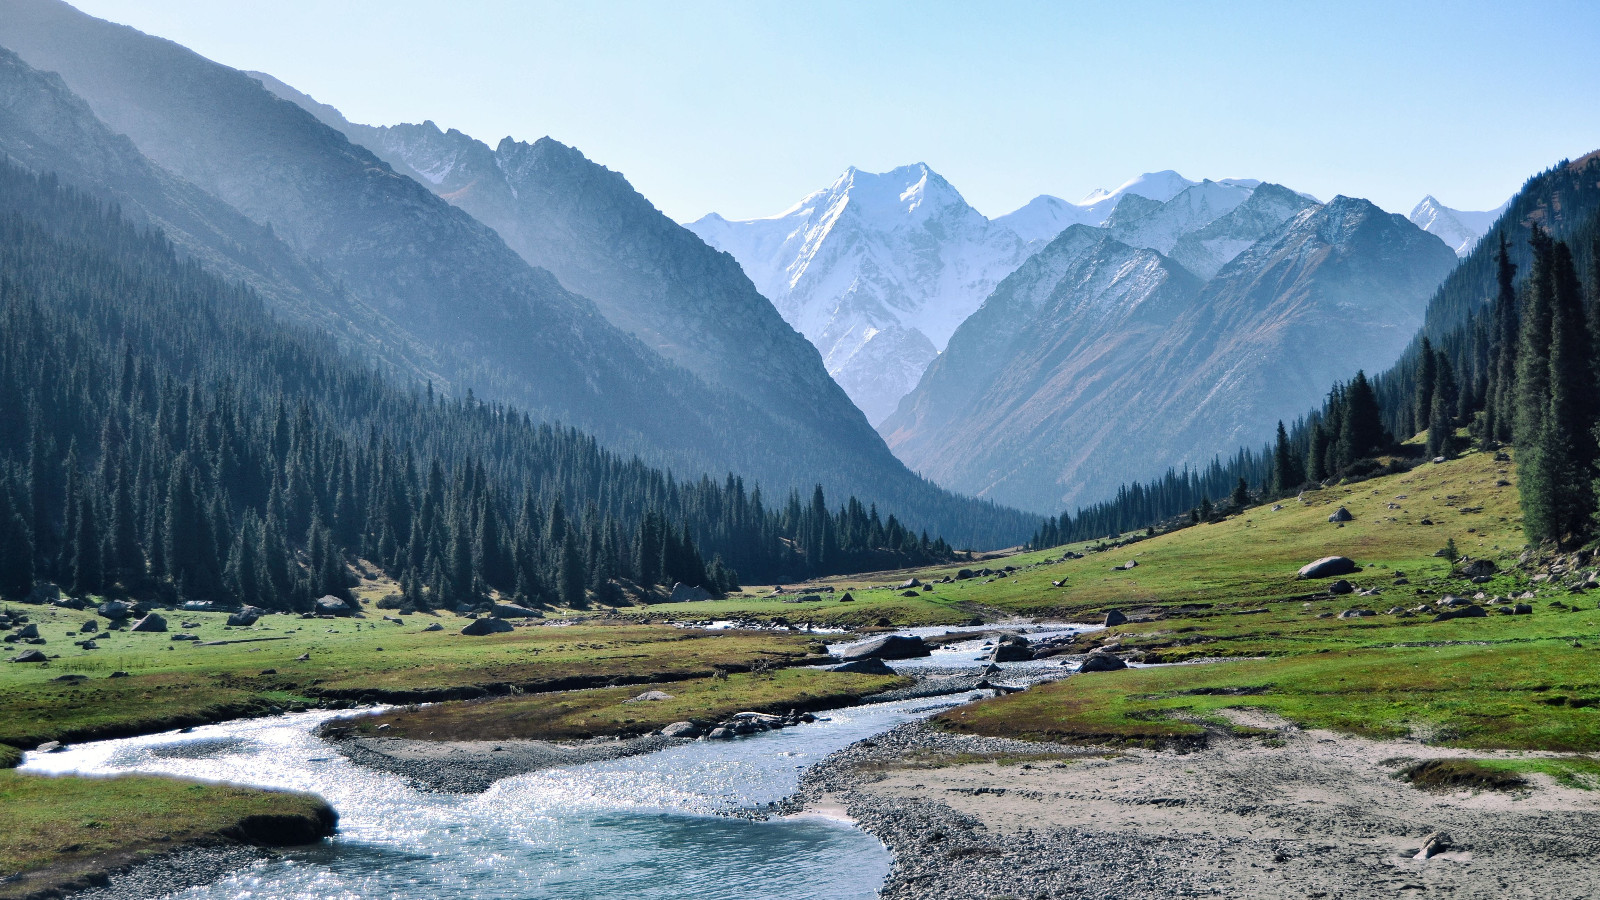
(1097, 363)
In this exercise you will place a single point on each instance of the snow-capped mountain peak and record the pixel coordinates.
(877, 271)
(1044, 217)
(1461, 229)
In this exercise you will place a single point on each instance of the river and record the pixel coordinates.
(649, 826)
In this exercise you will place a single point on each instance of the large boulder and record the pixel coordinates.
(890, 646)
(329, 605)
(1011, 653)
(683, 593)
(28, 656)
(153, 623)
(1464, 612)
(1479, 568)
(1114, 618)
(115, 610)
(512, 611)
(681, 730)
(1341, 515)
(246, 616)
(910, 583)
(1328, 567)
(487, 626)
(864, 667)
(1341, 587)
(1101, 661)
(28, 631)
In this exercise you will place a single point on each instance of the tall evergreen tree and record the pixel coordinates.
(1536, 480)
(16, 549)
(1427, 376)
(1286, 472)
(1566, 444)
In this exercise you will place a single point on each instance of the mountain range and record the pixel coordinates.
(877, 271)
(340, 236)
(1173, 333)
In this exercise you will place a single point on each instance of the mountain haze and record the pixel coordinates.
(470, 310)
(1100, 362)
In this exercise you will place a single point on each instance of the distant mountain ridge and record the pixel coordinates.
(648, 275)
(1461, 229)
(466, 309)
(1100, 361)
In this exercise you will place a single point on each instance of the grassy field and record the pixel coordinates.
(58, 830)
(611, 711)
(170, 684)
(1529, 682)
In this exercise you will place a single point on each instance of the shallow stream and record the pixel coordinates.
(650, 826)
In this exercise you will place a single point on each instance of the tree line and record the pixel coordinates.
(166, 436)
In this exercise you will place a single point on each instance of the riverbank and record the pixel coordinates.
(1289, 813)
(67, 834)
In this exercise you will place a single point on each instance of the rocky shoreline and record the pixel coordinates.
(1301, 814)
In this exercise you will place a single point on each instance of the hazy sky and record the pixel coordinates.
(745, 107)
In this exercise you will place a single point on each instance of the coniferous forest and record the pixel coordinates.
(165, 436)
(1506, 358)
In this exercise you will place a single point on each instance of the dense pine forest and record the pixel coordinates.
(165, 436)
(1507, 355)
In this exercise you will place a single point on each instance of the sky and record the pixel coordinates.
(743, 108)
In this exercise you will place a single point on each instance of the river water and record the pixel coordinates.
(644, 827)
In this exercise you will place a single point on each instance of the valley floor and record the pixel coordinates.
(1297, 813)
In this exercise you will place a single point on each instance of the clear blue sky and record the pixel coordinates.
(744, 107)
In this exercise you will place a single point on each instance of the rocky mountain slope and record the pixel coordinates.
(648, 275)
(876, 271)
(1099, 361)
(447, 286)
(1461, 229)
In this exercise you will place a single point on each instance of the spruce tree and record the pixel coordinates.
(1362, 433)
(1284, 476)
(1240, 498)
(16, 550)
(1441, 413)
(1566, 442)
(1535, 481)
(1501, 407)
(1427, 376)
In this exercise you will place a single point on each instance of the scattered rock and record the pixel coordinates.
(683, 593)
(1115, 617)
(1462, 612)
(1434, 844)
(991, 669)
(1328, 567)
(909, 594)
(304, 657)
(152, 623)
(890, 646)
(847, 598)
(28, 631)
(185, 636)
(1011, 653)
(681, 730)
(1101, 661)
(115, 610)
(30, 656)
(1341, 515)
(650, 697)
(433, 626)
(910, 583)
(872, 666)
(245, 617)
(487, 626)
(1522, 609)
(330, 605)
(1341, 587)
(118, 674)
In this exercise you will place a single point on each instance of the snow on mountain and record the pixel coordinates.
(1098, 362)
(1461, 229)
(1044, 217)
(1192, 209)
(878, 270)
